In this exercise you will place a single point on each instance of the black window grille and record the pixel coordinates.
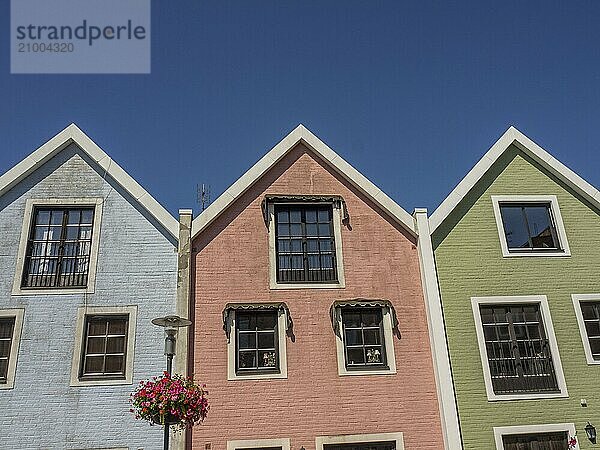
(390, 445)
(105, 347)
(257, 342)
(529, 226)
(305, 244)
(591, 318)
(7, 326)
(364, 340)
(517, 349)
(537, 441)
(58, 249)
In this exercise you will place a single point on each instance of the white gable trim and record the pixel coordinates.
(72, 134)
(541, 156)
(302, 135)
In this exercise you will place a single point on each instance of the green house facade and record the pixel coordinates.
(517, 252)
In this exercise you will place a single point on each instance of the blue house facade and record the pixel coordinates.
(87, 259)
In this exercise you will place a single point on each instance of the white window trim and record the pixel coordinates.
(27, 219)
(577, 300)
(549, 328)
(281, 327)
(259, 443)
(84, 311)
(558, 221)
(532, 429)
(389, 349)
(14, 346)
(320, 441)
(337, 235)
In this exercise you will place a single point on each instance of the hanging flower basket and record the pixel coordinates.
(170, 400)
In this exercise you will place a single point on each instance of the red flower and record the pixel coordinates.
(176, 395)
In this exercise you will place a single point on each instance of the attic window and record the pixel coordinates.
(530, 225)
(59, 247)
(59, 244)
(305, 240)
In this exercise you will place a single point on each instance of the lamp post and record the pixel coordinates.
(171, 324)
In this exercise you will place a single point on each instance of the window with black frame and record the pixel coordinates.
(58, 248)
(362, 446)
(257, 342)
(305, 244)
(364, 339)
(536, 441)
(105, 347)
(591, 318)
(7, 326)
(529, 226)
(518, 350)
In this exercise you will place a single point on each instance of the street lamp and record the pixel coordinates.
(171, 324)
(590, 430)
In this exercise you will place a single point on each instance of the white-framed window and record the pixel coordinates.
(518, 348)
(587, 311)
(271, 444)
(58, 249)
(530, 225)
(256, 343)
(305, 245)
(104, 346)
(364, 338)
(11, 326)
(379, 441)
(534, 436)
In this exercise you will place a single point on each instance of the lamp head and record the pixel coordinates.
(590, 431)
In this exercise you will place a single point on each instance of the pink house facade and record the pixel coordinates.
(312, 328)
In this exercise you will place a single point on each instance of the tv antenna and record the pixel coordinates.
(203, 195)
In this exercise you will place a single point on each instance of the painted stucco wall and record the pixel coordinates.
(136, 266)
(231, 261)
(470, 264)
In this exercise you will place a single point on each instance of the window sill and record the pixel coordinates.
(535, 253)
(258, 376)
(512, 397)
(106, 382)
(282, 286)
(345, 372)
(53, 291)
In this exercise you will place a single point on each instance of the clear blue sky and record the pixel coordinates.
(410, 93)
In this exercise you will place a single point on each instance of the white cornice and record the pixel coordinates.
(302, 135)
(72, 134)
(512, 136)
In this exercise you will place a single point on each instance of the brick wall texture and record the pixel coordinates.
(231, 264)
(136, 266)
(470, 264)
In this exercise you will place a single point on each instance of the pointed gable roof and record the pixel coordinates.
(73, 135)
(302, 135)
(512, 136)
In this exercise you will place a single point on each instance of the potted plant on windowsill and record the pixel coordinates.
(170, 400)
